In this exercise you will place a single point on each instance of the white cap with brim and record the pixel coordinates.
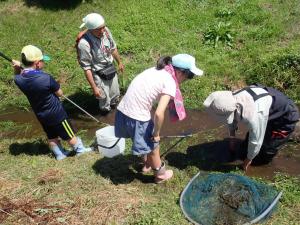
(225, 118)
(221, 104)
(33, 53)
(92, 21)
(185, 61)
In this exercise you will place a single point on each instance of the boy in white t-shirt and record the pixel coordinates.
(133, 117)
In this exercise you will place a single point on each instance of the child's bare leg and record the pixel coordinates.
(146, 167)
(160, 172)
(153, 158)
(72, 141)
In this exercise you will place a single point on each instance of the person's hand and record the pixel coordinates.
(98, 93)
(246, 164)
(17, 66)
(156, 138)
(16, 63)
(121, 67)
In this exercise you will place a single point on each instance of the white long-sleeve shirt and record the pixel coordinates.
(257, 123)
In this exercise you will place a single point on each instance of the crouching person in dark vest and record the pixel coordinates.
(43, 93)
(270, 116)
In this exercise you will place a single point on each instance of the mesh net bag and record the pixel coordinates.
(226, 199)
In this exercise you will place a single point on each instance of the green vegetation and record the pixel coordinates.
(93, 190)
(221, 32)
(7, 125)
(234, 42)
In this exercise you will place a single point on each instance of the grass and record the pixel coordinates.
(35, 189)
(260, 32)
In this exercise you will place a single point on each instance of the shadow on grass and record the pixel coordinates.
(119, 170)
(29, 148)
(211, 156)
(55, 4)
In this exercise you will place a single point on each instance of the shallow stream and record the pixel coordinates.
(197, 122)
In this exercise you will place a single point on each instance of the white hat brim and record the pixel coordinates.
(223, 119)
(197, 71)
(82, 25)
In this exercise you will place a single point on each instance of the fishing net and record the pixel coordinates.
(226, 199)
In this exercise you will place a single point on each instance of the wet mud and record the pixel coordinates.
(195, 122)
(208, 150)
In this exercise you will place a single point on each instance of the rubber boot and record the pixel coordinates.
(64, 151)
(161, 174)
(79, 148)
(58, 151)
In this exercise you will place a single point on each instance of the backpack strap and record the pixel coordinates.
(252, 93)
(108, 36)
(84, 35)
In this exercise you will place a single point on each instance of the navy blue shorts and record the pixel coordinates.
(140, 133)
(64, 130)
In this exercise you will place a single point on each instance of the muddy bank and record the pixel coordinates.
(197, 122)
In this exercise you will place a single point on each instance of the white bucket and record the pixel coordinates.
(108, 144)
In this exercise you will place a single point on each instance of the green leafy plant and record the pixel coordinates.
(219, 33)
(224, 13)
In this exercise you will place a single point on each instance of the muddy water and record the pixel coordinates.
(195, 122)
(287, 161)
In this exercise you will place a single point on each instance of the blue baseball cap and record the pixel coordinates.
(186, 61)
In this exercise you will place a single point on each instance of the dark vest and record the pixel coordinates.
(283, 113)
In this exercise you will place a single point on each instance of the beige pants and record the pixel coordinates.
(111, 90)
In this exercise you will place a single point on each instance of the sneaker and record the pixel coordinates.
(60, 157)
(86, 150)
(79, 147)
(66, 152)
(59, 152)
(160, 178)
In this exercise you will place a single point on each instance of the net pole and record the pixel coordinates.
(80, 108)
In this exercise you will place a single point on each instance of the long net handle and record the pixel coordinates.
(80, 108)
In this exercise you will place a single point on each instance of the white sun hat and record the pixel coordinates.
(222, 104)
(186, 61)
(92, 21)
